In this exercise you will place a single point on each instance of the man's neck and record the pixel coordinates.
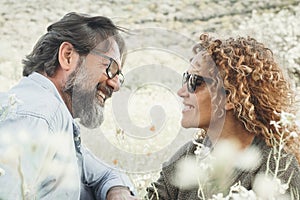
(59, 83)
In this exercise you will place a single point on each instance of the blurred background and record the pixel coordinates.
(142, 122)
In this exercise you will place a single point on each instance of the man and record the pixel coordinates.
(70, 73)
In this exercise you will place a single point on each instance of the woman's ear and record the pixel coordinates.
(67, 56)
(229, 106)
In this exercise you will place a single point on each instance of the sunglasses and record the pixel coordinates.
(113, 68)
(193, 81)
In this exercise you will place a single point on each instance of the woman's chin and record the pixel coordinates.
(186, 124)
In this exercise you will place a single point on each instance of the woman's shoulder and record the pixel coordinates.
(185, 150)
(279, 161)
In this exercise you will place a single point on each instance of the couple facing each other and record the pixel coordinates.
(232, 90)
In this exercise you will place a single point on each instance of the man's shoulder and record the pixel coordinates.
(31, 99)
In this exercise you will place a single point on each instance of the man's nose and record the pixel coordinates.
(114, 83)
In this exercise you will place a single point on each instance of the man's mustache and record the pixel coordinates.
(107, 90)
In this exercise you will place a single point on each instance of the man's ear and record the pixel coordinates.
(67, 56)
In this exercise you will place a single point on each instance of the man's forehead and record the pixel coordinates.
(110, 48)
(108, 45)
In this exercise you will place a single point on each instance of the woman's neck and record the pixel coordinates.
(234, 130)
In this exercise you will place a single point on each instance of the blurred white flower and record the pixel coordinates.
(2, 172)
(60, 143)
(23, 137)
(287, 119)
(293, 134)
(224, 154)
(281, 187)
(249, 159)
(267, 187)
(187, 173)
(297, 122)
(13, 100)
(218, 196)
(11, 154)
(6, 139)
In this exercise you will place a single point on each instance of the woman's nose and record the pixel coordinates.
(183, 92)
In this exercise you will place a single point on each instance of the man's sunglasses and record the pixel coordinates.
(113, 68)
(193, 81)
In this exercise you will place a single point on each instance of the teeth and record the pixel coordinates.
(102, 95)
(187, 107)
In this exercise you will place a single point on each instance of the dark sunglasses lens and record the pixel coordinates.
(191, 84)
(185, 78)
(193, 81)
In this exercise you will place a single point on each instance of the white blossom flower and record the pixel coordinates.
(287, 119)
(275, 124)
(201, 150)
(239, 192)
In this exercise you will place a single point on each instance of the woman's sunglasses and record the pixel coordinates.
(193, 81)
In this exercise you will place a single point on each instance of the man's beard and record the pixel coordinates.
(85, 105)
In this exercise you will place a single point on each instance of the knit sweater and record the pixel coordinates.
(165, 189)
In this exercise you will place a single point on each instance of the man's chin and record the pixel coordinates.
(92, 119)
(91, 124)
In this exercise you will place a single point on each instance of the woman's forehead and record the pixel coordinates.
(201, 63)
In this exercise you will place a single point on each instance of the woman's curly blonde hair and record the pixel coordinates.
(253, 82)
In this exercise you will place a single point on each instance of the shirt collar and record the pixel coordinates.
(47, 84)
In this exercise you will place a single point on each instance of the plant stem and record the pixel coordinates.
(279, 155)
(22, 178)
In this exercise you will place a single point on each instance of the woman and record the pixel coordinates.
(234, 91)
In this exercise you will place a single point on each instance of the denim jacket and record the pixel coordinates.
(37, 149)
